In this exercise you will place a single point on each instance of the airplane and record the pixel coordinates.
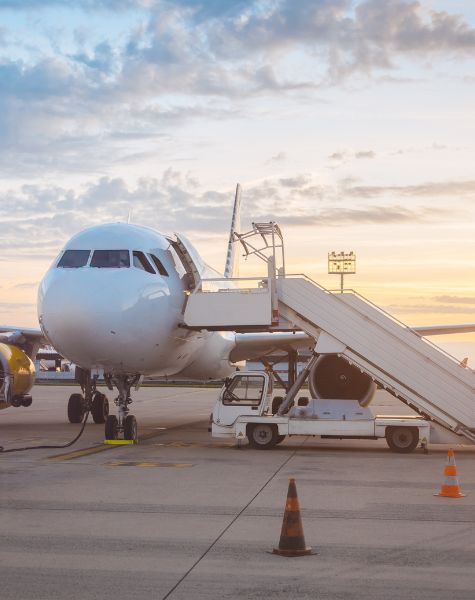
(113, 299)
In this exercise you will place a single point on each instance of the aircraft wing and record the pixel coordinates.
(424, 330)
(27, 338)
(255, 345)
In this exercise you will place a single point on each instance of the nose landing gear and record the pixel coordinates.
(123, 423)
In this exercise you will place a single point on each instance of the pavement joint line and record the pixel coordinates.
(233, 520)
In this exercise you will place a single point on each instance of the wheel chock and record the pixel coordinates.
(292, 539)
(120, 442)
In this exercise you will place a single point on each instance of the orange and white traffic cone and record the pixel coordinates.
(292, 539)
(450, 488)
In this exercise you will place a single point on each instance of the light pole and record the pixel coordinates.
(341, 263)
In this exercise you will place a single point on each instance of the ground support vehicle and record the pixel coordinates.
(244, 409)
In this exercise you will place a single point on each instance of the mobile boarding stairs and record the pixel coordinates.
(397, 358)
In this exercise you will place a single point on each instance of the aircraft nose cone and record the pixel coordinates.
(96, 318)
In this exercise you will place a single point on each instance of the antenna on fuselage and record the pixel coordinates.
(231, 268)
(129, 216)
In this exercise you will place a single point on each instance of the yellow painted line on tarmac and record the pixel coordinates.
(120, 442)
(80, 453)
(193, 445)
(147, 464)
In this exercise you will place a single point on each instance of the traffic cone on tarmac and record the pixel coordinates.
(292, 539)
(450, 488)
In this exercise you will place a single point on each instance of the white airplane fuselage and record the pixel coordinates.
(125, 319)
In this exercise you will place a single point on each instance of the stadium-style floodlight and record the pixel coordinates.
(341, 263)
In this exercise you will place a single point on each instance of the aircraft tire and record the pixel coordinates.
(26, 401)
(75, 408)
(100, 408)
(111, 428)
(130, 428)
(402, 439)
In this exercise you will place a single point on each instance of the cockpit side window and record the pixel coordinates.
(73, 259)
(140, 261)
(111, 259)
(158, 263)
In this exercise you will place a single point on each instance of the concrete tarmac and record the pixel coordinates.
(182, 515)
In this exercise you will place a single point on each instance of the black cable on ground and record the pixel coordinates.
(234, 519)
(3, 451)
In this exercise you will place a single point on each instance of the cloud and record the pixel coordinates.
(89, 5)
(428, 308)
(449, 189)
(36, 220)
(26, 286)
(455, 299)
(345, 156)
(277, 158)
(365, 154)
(66, 107)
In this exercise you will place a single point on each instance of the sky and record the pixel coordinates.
(350, 123)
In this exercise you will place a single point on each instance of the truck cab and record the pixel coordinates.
(246, 393)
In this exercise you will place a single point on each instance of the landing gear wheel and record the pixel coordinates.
(75, 408)
(262, 436)
(111, 428)
(130, 428)
(99, 408)
(402, 439)
(26, 401)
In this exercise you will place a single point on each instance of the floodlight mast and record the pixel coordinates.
(341, 263)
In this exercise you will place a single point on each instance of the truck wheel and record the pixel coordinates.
(402, 439)
(262, 436)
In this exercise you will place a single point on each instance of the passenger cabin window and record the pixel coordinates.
(73, 259)
(158, 263)
(244, 391)
(141, 262)
(110, 259)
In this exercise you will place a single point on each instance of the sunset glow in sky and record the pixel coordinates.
(350, 123)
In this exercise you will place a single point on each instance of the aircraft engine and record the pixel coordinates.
(17, 376)
(333, 377)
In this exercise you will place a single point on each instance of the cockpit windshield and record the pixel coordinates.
(73, 259)
(111, 259)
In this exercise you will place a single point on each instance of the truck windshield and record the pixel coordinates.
(244, 391)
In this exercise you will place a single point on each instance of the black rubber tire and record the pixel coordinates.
(76, 408)
(100, 408)
(280, 438)
(402, 439)
(130, 428)
(111, 428)
(262, 436)
(302, 401)
(26, 401)
(276, 402)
